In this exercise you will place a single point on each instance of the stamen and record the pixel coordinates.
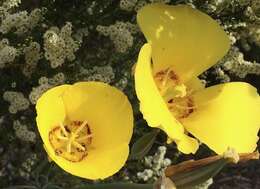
(78, 145)
(175, 93)
(62, 137)
(81, 127)
(84, 137)
(72, 140)
(63, 129)
(58, 134)
(69, 145)
(166, 77)
(184, 107)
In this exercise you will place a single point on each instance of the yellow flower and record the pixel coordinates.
(183, 43)
(86, 128)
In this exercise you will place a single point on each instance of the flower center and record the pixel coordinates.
(70, 141)
(175, 94)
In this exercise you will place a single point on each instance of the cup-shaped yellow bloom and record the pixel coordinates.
(86, 128)
(182, 43)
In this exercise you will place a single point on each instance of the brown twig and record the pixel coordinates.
(192, 164)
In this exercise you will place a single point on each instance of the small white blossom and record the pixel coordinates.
(8, 4)
(21, 21)
(32, 55)
(23, 133)
(155, 165)
(120, 33)
(17, 101)
(127, 5)
(236, 64)
(104, 73)
(145, 175)
(7, 55)
(59, 45)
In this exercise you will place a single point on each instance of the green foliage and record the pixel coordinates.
(142, 146)
(188, 180)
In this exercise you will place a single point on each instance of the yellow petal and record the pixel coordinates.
(99, 163)
(227, 115)
(182, 37)
(105, 108)
(152, 105)
(50, 111)
(110, 119)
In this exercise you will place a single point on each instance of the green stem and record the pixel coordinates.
(21, 187)
(117, 186)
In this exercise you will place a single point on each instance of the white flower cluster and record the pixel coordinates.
(224, 6)
(155, 165)
(21, 21)
(232, 30)
(120, 33)
(17, 101)
(32, 55)
(104, 74)
(127, 5)
(27, 166)
(140, 4)
(59, 45)
(45, 84)
(251, 11)
(254, 34)
(22, 132)
(232, 38)
(7, 53)
(8, 4)
(236, 64)
(224, 78)
(145, 175)
(122, 83)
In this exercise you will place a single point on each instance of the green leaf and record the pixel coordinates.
(142, 146)
(188, 180)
